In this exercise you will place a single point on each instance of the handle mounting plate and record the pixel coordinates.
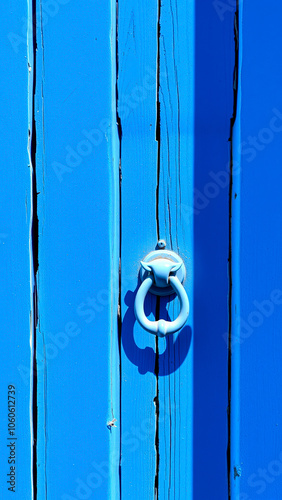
(172, 257)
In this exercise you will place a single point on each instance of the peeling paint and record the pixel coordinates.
(237, 472)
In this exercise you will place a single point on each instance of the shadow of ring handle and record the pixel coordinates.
(161, 327)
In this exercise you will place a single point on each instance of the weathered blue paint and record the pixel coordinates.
(16, 353)
(77, 182)
(137, 60)
(130, 120)
(176, 96)
(256, 341)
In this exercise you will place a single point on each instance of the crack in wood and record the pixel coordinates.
(232, 123)
(34, 248)
(119, 312)
(158, 139)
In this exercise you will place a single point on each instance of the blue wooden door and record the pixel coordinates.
(125, 123)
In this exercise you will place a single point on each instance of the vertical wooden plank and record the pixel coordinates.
(193, 196)
(16, 255)
(175, 194)
(78, 274)
(214, 68)
(256, 460)
(137, 114)
(182, 393)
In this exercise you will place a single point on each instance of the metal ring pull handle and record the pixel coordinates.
(162, 273)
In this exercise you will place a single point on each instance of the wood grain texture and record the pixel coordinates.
(151, 209)
(129, 111)
(137, 81)
(78, 274)
(16, 345)
(175, 192)
(256, 242)
(175, 169)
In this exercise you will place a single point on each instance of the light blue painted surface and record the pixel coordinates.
(15, 195)
(257, 217)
